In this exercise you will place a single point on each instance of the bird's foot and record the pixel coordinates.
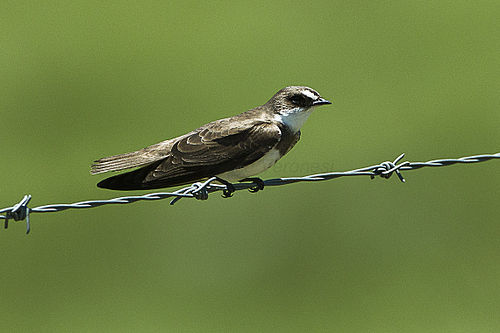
(229, 190)
(259, 184)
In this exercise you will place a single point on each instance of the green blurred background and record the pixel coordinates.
(81, 80)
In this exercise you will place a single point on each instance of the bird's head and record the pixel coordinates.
(293, 105)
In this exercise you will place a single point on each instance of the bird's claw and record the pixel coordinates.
(259, 184)
(228, 191)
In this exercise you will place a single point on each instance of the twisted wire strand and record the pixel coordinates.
(201, 190)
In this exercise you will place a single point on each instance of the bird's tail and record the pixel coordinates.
(133, 180)
(124, 161)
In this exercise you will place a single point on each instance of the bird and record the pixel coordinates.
(233, 149)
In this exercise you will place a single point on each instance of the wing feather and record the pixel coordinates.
(206, 151)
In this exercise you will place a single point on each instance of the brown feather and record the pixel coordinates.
(201, 154)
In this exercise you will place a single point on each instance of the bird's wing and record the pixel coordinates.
(213, 149)
(160, 151)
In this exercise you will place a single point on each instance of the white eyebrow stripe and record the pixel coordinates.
(310, 94)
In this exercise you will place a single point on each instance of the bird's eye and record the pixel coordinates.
(298, 100)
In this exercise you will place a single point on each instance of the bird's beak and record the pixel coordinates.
(321, 101)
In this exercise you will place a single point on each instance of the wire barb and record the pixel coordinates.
(385, 169)
(201, 190)
(19, 212)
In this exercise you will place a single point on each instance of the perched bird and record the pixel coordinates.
(232, 149)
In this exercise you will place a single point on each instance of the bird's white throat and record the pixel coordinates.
(294, 118)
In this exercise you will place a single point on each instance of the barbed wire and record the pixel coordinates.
(201, 190)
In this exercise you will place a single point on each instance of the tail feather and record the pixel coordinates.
(124, 161)
(133, 180)
(138, 179)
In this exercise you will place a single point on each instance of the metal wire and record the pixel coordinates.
(201, 190)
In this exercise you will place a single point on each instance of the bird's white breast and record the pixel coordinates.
(262, 164)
